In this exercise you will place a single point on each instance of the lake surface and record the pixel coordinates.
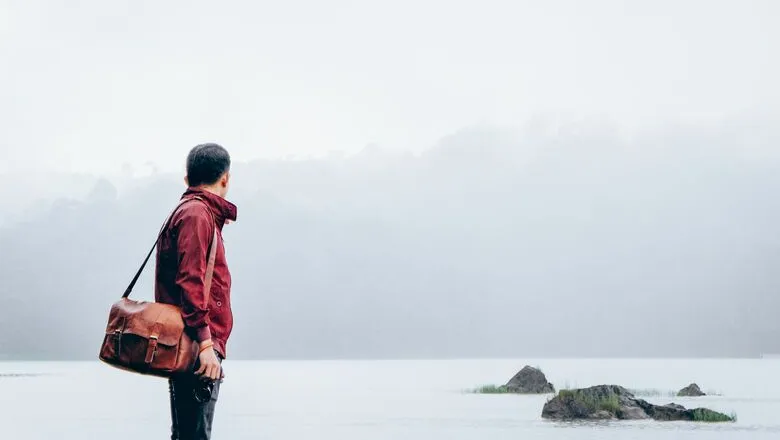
(358, 400)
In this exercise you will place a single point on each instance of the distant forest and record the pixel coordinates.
(572, 243)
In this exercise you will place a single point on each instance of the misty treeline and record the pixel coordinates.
(568, 243)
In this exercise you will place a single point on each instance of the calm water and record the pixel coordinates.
(358, 400)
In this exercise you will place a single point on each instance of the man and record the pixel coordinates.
(182, 255)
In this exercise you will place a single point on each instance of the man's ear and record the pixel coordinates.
(225, 179)
(186, 181)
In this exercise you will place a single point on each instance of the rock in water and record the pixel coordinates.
(602, 415)
(529, 380)
(691, 390)
(615, 402)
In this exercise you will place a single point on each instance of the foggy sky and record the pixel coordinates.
(92, 85)
(557, 178)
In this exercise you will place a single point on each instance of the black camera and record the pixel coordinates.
(203, 390)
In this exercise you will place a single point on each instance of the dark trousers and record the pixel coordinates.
(190, 419)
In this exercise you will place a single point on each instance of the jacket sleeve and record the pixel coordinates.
(195, 230)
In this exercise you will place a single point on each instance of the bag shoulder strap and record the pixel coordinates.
(210, 264)
(212, 251)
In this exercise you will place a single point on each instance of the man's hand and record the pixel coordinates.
(210, 367)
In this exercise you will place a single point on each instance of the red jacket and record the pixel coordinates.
(182, 255)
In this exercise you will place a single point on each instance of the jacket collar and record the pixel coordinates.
(220, 207)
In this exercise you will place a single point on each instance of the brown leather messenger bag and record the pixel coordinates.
(149, 337)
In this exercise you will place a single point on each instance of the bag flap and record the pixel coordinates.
(147, 319)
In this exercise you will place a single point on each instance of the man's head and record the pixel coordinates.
(208, 167)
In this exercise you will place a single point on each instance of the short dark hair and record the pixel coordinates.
(206, 163)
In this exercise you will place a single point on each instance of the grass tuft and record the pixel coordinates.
(491, 389)
(704, 415)
(652, 392)
(608, 403)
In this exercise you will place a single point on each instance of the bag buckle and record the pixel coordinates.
(117, 342)
(151, 349)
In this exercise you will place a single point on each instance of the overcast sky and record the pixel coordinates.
(576, 230)
(91, 85)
